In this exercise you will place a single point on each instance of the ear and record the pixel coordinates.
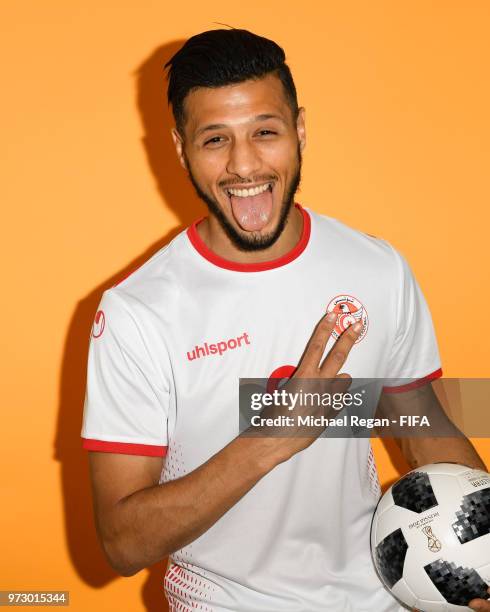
(301, 128)
(179, 147)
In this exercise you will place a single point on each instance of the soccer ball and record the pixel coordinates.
(430, 537)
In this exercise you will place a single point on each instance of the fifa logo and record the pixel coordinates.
(433, 543)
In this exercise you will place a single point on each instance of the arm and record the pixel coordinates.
(418, 450)
(140, 522)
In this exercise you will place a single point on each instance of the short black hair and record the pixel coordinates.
(222, 57)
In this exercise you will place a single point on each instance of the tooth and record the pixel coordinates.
(252, 191)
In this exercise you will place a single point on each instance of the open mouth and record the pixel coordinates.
(252, 206)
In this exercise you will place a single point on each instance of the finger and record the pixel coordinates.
(338, 354)
(341, 383)
(480, 604)
(310, 361)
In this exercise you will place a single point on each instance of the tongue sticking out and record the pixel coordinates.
(252, 213)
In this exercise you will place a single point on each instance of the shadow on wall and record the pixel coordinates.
(177, 193)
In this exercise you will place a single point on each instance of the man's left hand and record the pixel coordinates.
(482, 605)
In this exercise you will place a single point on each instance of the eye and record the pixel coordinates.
(213, 140)
(265, 132)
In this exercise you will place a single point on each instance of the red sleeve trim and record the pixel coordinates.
(125, 448)
(420, 382)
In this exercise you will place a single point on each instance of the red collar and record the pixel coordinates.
(215, 259)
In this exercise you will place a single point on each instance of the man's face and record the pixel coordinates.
(242, 149)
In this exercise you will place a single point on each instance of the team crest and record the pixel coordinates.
(349, 310)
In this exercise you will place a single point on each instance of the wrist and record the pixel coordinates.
(263, 453)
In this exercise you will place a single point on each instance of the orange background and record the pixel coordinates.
(397, 99)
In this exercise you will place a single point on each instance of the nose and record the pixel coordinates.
(244, 160)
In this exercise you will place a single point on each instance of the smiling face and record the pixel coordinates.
(242, 149)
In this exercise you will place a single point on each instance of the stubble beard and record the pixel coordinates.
(252, 241)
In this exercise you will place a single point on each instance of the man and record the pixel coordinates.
(263, 523)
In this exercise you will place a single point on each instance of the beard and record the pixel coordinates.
(252, 241)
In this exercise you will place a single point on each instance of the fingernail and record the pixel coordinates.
(357, 327)
(331, 317)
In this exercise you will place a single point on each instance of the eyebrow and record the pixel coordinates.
(220, 126)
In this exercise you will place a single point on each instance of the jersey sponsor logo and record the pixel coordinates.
(349, 310)
(99, 324)
(218, 348)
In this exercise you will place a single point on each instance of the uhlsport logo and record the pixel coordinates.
(99, 324)
(218, 348)
(349, 310)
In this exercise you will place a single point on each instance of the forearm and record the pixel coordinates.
(151, 523)
(422, 451)
(451, 445)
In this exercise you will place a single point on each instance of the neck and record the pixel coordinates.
(216, 239)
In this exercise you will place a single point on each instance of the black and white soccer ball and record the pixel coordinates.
(430, 537)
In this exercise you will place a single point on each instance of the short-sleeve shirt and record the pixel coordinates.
(169, 344)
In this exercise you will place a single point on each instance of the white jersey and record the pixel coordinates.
(169, 344)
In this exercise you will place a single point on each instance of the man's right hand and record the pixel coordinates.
(284, 441)
(311, 365)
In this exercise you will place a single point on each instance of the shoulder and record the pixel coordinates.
(157, 278)
(336, 240)
(145, 298)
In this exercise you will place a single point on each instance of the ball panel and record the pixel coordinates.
(402, 592)
(416, 577)
(473, 516)
(456, 584)
(447, 468)
(484, 571)
(390, 557)
(473, 480)
(414, 492)
(431, 606)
